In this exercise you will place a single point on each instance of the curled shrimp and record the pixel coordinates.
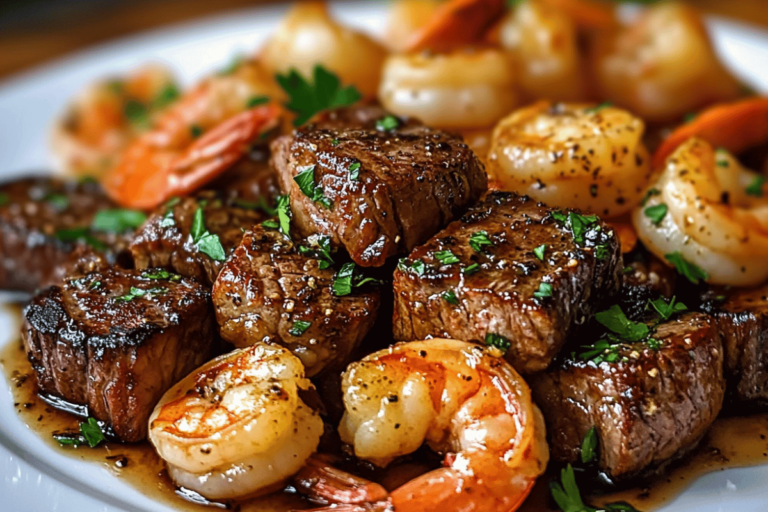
(198, 138)
(544, 42)
(715, 215)
(106, 116)
(467, 89)
(573, 156)
(662, 66)
(463, 402)
(405, 18)
(308, 36)
(237, 426)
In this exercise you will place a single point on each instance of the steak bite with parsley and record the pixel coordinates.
(638, 398)
(47, 223)
(511, 273)
(291, 293)
(192, 235)
(115, 341)
(377, 188)
(742, 319)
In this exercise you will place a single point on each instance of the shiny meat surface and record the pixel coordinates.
(648, 407)
(117, 340)
(742, 319)
(377, 193)
(497, 290)
(165, 238)
(44, 225)
(269, 291)
(250, 180)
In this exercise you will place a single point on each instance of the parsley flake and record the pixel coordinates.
(478, 240)
(471, 269)
(168, 218)
(320, 248)
(755, 188)
(418, 266)
(648, 195)
(544, 291)
(90, 434)
(539, 251)
(347, 278)
(161, 274)
(589, 446)
(206, 242)
(118, 220)
(307, 99)
(667, 310)
(498, 341)
(617, 322)
(691, 272)
(80, 235)
(354, 171)
(134, 293)
(166, 96)
(306, 182)
(450, 297)
(598, 108)
(446, 257)
(284, 215)
(299, 327)
(387, 123)
(656, 213)
(255, 101)
(57, 201)
(568, 497)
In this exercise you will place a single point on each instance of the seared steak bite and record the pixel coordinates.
(742, 320)
(509, 270)
(116, 340)
(192, 244)
(376, 192)
(650, 405)
(270, 291)
(250, 181)
(43, 221)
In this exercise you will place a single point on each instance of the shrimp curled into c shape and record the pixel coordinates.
(463, 402)
(713, 217)
(237, 427)
(572, 156)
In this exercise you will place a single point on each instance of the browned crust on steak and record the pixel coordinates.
(499, 298)
(267, 285)
(648, 408)
(117, 357)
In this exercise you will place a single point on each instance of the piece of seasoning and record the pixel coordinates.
(139, 292)
(299, 328)
(478, 240)
(446, 257)
(450, 297)
(471, 269)
(255, 101)
(755, 188)
(354, 171)
(544, 291)
(498, 341)
(539, 251)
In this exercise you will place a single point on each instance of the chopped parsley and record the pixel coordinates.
(599, 351)
(568, 497)
(347, 278)
(255, 101)
(387, 123)
(498, 341)
(138, 292)
(648, 195)
(90, 434)
(80, 235)
(544, 291)
(284, 215)
(450, 297)
(166, 96)
(57, 201)
(623, 328)
(325, 92)
(418, 267)
(259, 204)
(271, 224)
(598, 108)
(137, 114)
(306, 182)
(656, 213)
(539, 251)
(161, 274)
(168, 219)
(627, 270)
(667, 310)
(354, 171)
(589, 446)
(471, 269)
(94, 285)
(691, 272)
(446, 257)
(118, 220)
(320, 248)
(585, 227)
(756, 187)
(299, 328)
(206, 242)
(478, 240)
(195, 131)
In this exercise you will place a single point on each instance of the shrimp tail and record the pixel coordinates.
(457, 23)
(322, 483)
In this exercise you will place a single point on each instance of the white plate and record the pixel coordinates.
(38, 479)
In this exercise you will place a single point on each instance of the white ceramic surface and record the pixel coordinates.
(35, 478)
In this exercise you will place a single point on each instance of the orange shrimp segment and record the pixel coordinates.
(733, 126)
(626, 233)
(586, 13)
(456, 23)
(149, 174)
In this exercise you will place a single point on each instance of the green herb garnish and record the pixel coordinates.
(138, 292)
(307, 99)
(656, 213)
(667, 310)
(544, 291)
(539, 251)
(306, 182)
(195, 131)
(206, 242)
(568, 497)
(255, 101)
(90, 434)
(58, 201)
(478, 240)
(756, 187)
(446, 257)
(450, 297)
(161, 274)
(598, 108)
(299, 328)
(354, 171)
(118, 220)
(648, 195)
(166, 96)
(136, 113)
(418, 266)
(347, 278)
(321, 248)
(589, 446)
(498, 341)
(82, 235)
(471, 269)
(691, 272)
(387, 123)
(625, 329)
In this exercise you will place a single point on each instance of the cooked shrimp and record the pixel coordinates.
(237, 426)
(470, 88)
(106, 116)
(308, 37)
(573, 156)
(463, 402)
(587, 14)
(662, 66)
(199, 137)
(544, 42)
(716, 215)
(405, 18)
(456, 23)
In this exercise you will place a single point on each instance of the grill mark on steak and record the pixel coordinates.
(649, 408)
(31, 255)
(267, 285)
(118, 357)
(169, 245)
(499, 298)
(412, 180)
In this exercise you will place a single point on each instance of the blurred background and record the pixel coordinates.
(34, 31)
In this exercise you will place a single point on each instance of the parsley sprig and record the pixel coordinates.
(90, 434)
(348, 278)
(306, 182)
(568, 497)
(320, 247)
(309, 98)
(418, 267)
(299, 327)
(478, 240)
(692, 272)
(206, 242)
(583, 228)
(498, 341)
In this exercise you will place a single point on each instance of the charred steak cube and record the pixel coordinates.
(376, 192)
(742, 319)
(274, 290)
(192, 235)
(510, 272)
(43, 221)
(116, 340)
(649, 406)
